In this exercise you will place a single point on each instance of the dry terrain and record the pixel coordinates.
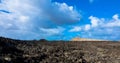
(42, 51)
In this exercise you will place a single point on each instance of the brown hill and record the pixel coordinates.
(85, 39)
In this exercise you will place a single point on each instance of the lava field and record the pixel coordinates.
(43, 51)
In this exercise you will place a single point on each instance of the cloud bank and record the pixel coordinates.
(23, 19)
(100, 28)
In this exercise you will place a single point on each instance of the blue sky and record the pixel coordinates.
(60, 19)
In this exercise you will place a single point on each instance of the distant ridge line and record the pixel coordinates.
(86, 39)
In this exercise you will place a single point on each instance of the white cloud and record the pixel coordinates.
(95, 21)
(29, 16)
(101, 28)
(52, 31)
(116, 17)
(80, 28)
(102, 22)
(87, 27)
(76, 29)
(115, 22)
(23, 18)
(64, 14)
(107, 29)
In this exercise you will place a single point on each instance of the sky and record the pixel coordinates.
(60, 19)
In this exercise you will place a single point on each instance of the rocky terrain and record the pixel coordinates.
(43, 51)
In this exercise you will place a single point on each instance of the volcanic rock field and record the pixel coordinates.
(43, 51)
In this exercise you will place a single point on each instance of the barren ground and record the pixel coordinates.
(18, 51)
